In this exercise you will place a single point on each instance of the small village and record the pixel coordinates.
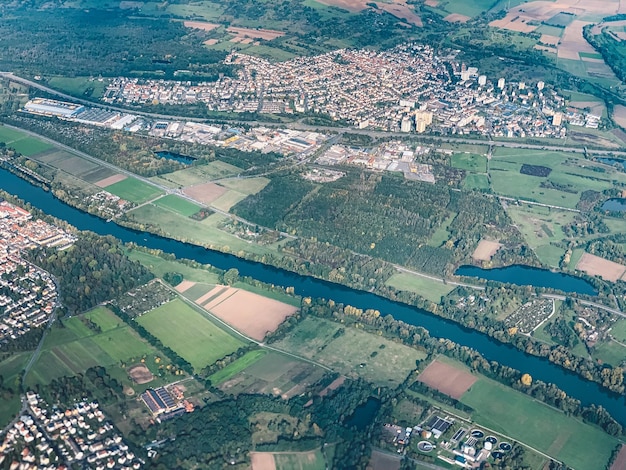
(28, 294)
(47, 437)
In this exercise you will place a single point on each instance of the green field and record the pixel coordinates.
(133, 190)
(570, 176)
(541, 227)
(610, 352)
(245, 185)
(478, 182)
(189, 333)
(206, 232)
(515, 414)
(234, 368)
(313, 460)
(30, 146)
(8, 135)
(351, 352)
(159, 266)
(427, 288)
(10, 369)
(441, 235)
(228, 200)
(470, 162)
(618, 330)
(198, 174)
(467, 7)
(71, 347)
(177, 204)
(79, 86)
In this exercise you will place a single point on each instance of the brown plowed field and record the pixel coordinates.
(262, 461)
(183, 286)
(252, 314)
(485, 250)
(205, 193)
(110, 180)
(447, 379)
(596, 266)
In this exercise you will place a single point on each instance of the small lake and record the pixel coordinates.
(528, 276)
(616, 204)
(177, 157)
(363, 414)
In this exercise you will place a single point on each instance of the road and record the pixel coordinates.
(301, 126)
(614, 311)
(130, 174)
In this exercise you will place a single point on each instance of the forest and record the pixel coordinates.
(93, 270)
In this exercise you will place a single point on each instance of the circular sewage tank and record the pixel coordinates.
(477, 433)
(497, 455)
(425, 446)
(505, 446)
(492, 440)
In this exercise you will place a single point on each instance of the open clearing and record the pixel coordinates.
(457, 18)
(275, 374)
(252, 314)
(447, 379)
(470, 162)
(596, 266)
(517, 415)
(133, 190)
(140, 374)
(262, 461)
(189, 333)
(485, 250)
(313, 460)
(384, 461)
(352, 352)
(201, 25)
(205, 193)
(234, 368)
(267, 34)
(619, 115)
(427, 288)
(159, 266)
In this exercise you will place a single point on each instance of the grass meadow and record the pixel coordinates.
(352, 352)
(427, 288)
(133, 190)
(521, 417)
(159, 266)
(234, 368)
(189, 333)
(177, 204)
(469, 162)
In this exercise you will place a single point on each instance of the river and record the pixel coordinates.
(585, 391)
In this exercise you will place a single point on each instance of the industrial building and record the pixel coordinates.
(48, 107)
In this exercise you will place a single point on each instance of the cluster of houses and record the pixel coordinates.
(47, 438)
(28, 294)
(407, 88)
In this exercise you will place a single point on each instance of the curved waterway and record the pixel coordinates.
(529, 276)
(585, 391)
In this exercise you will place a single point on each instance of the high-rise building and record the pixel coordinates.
(465, 75)
(540, 85)
(405, 125)
(522, 86)
(501, 83)
(482, 80)
(422, 120)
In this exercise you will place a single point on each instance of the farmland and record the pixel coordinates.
(529, 421)
(189, 333)
(133, 190)
(234, 368)
(177, 204)
(72, 347)
(352, 352)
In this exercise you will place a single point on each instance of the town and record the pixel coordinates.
(408, 88)
(28, 294)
